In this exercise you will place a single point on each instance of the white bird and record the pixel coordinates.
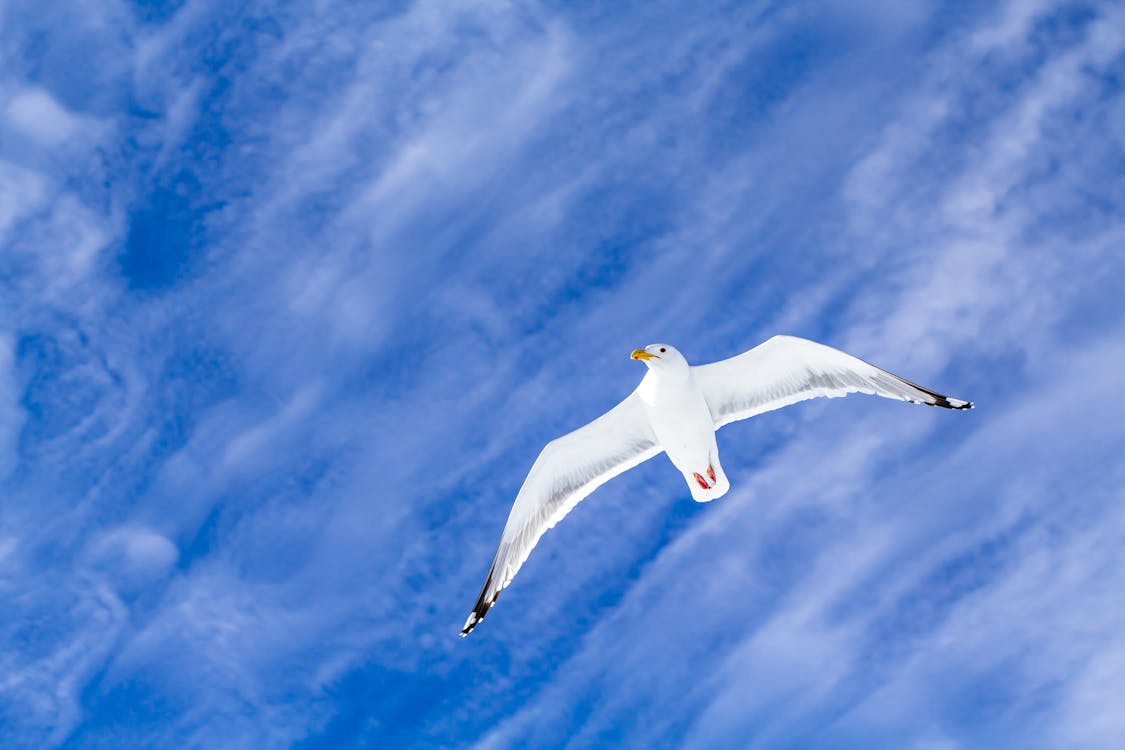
(677, 409)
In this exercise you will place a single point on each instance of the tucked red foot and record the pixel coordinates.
(701, 481)
(711, 473)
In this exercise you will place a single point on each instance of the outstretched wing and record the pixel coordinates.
(786, 369)
(568, 469)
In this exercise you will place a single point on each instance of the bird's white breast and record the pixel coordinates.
(681, 420)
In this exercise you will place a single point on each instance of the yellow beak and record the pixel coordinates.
(642, 354)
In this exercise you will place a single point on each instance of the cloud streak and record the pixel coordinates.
(293, 299)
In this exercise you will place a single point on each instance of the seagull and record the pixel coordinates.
(676, 409)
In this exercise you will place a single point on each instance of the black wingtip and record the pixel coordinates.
(944, 402)
(484, 603)
(951, 403)
(478, 613)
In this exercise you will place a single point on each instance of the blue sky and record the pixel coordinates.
(292, 294)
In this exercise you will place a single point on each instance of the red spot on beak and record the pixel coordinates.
(701, 481)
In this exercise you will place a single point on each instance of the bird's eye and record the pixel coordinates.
(662, 350)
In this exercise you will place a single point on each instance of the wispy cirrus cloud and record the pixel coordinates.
(295, 298)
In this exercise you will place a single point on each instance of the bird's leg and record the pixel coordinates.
(702, 481)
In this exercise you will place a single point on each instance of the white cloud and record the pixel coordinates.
(135, 555)
(22, 192)
(37, 115)
(42, 680)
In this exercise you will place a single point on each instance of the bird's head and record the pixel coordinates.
(660, 357)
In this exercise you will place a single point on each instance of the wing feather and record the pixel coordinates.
(787, 369)
(567, 470)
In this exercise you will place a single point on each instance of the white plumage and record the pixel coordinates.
(677, 409)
